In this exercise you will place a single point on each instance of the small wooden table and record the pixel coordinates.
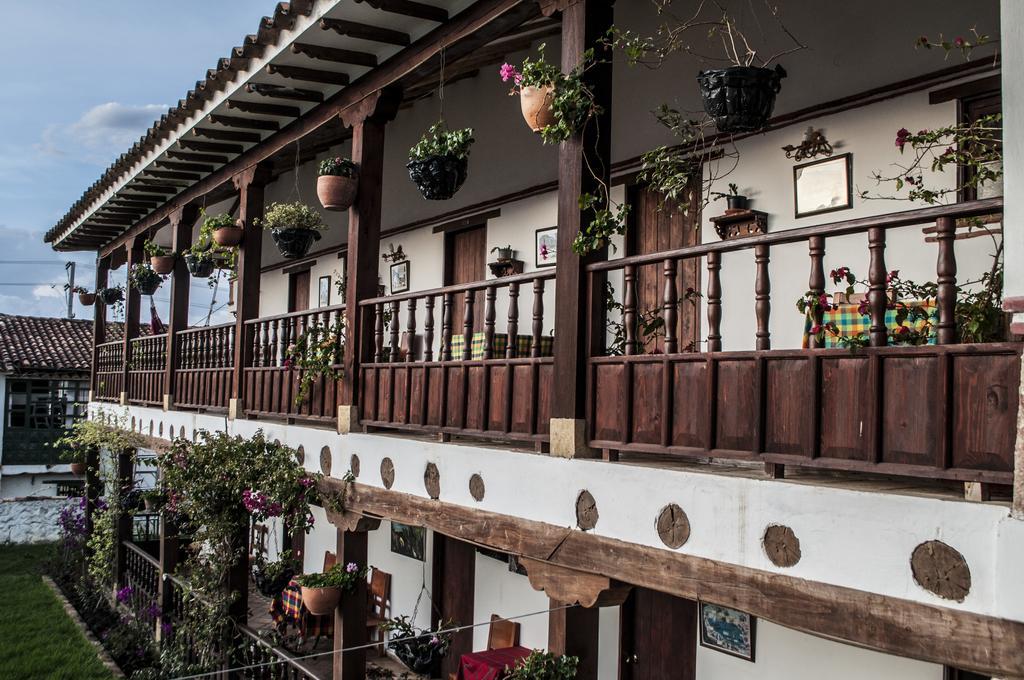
(490, 665)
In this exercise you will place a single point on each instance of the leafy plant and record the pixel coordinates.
(153, 249)
(339, 167)
(77, 290)
(418, 649)
(337, 576)
(734, 190)
(142, 275)
(104, 431)
(317, 353)
(540, 665)
(205, 249)
(965, 46)
(296, 215)
(650, 323)
(438, 140)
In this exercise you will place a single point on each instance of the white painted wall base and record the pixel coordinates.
(30, 520)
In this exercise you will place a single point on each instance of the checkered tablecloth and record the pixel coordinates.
(850, 321)
(287, 608)
(523, 345)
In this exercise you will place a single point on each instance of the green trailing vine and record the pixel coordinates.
(317, 353)
(438, 140)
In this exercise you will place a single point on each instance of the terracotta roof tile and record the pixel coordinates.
(34, 343)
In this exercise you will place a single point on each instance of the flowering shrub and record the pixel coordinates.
(545, 666)
(958, 44)
(339, 167)
(419, 650)
(316, 353)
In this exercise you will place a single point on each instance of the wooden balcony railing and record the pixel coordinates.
(142, 575)
(272, 381)
(147, 368)
(270, 662)
(944, 411)
(109, 371)
(206, 358)
(459, 374)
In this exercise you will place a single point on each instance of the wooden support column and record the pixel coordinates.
(368, 120)
(575, 631)
(170, 556)
(249, 183)
(123, 527)
(454, 579)
(99, 323)
(132, 309)
(350, 616)
(238, 578)
(182, 222)
(580, 312)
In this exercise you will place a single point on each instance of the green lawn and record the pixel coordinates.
(37, 639)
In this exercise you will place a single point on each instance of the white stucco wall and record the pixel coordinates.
(30, 520)
(33, 480)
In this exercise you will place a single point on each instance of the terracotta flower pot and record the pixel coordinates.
(78, 469)
(336, 192)
(536, 103)
(162, 264)
(228, 236)
(87, 299)
(321, 601)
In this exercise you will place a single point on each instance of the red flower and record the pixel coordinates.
(901, 137)
(959, 42)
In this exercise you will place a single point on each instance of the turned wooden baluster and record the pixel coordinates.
(816, 284)
(670, 307)
(277, 354)
(538, 317)
(762, 297)
(714, 302)
(183, 350)
(629, 303)
(229, 349)
(877, 297)
(512, 346)
(489, 313)
(448, 302)
(945, 234)
(467, 326)
(428, 328)
(410, 331)
(204, 342)
(378, 332)
(395, 354)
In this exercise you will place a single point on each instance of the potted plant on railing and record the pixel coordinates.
(273, 576)
(321, 592)
(420, 650)
(75, 456)
(541, 665)
(734, 200)
(85, 297)
(336, 186)
(160, 259)
(152, 500)
(144, 279)
(438, 164)
(293, 226)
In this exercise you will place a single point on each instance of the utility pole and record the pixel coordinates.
(70, 267)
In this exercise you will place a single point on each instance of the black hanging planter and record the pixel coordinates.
(272, 587)
(199, 268)
(740, 98)
(148, 284)
(294, 243)
(111, 296)
(438, 177)
(419, 655)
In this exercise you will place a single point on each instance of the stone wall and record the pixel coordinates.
(30, 520)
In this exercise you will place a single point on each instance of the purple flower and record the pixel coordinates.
(508, 71)
(351, 567)
(435, 640)
(166, 628)
(901, 137)
(306, 482)
(125, 594)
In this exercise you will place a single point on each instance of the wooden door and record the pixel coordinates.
(466, 262)
(658, 225)
(658, 637)
(298, 291)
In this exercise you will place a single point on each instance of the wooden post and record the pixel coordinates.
(182, 222)
(170, 556)
(454, 578)
(574, 631)
(249, 183)
(816, 283)
(238, 577)
(368, 120)
(92, 488)
(878, 296)
(762, 297)
(123, 527)
(132, 304)
(580, 308)
(99, 323)
(350, 616)
(945, 234)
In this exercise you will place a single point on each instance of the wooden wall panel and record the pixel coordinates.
(846, 389)
(456, 397)
(736, 405)
(436, 395)
(523, 405)
(400, 400)
(418, 395)
(474, 398)
(690, 404)
(985, 395)
(789, 406)
(608, 406)
(498, 377)
(545, 394)
(648, 402)
(911, 410)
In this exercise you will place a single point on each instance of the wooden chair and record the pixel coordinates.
(330, 559)
(500, 635)
(379, 607)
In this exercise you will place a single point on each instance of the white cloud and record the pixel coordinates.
(55, 290)
(107, 128)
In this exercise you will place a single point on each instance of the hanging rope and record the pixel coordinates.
(295, 189)
(440, 87)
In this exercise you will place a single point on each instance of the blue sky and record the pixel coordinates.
(83, 80)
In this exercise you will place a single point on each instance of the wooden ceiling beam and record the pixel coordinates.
(123, 211)
(173, 174)
(186, 167)
(216, 147)
(196, 157)
(354, 29)
(410, 8)
(335, 54)
(129, 201)
(247, 123)
(281, 92)
(265, 109)
(227, 135)
(156, 188)
(312, 75)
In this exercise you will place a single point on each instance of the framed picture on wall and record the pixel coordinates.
(400, 277)
(546, 247)
(409, 541)
(324, 288)
(823, 186)
(727, 630)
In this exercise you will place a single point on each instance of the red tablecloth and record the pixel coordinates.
(490, 665)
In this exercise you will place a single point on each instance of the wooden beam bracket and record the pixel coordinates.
(571, 586)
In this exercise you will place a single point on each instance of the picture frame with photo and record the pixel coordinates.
(409, 541)
(726, 630)
(546, 247)
(823, 186)
(324, 291)
(400, 277)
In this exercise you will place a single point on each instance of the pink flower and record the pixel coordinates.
(959, 42)
(509, 71)
(351, 567)
(901, 137)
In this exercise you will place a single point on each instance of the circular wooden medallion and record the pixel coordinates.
(325, 461)
(586, 511)
(781, 545)
(942, 570)
(476, 487)
(432, 481)
(387, 473)
(353, 465)
(300, 454)
(673, 526)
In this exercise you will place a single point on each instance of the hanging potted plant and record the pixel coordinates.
(273, 576)
(84, 296)
(505, 253)
(224, 230)
(336, 186)
(544, 666)
(420, 650)
(439, 161)
(535, 84)
(110, 296)
(321, 593)
(200, 265)
(144, 279)
(208, 253)
(160, 260)
(293, 226)
(152, 500)
(75, 456)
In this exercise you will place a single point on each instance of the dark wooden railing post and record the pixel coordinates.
(123, 527)
(469, 298)
(182, 222)
(394, 349)
(512, 347)
(446, 326)
(489, 312)
(762, 297)
(350, 617)
(410, 330)
(132, 305)
(629, 304)
(537, 328)
(816, 283)
(368, 119)
(428, 329)
(945, 234)
(670, 307)
(99, 322)
(579, 334)
(714, 301)
(877, 294)
(249, 183)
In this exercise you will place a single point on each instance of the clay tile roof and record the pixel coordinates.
(38, 343)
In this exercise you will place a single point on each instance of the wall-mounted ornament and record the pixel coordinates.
(394, 254)
(814, 145)
(738, 223)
